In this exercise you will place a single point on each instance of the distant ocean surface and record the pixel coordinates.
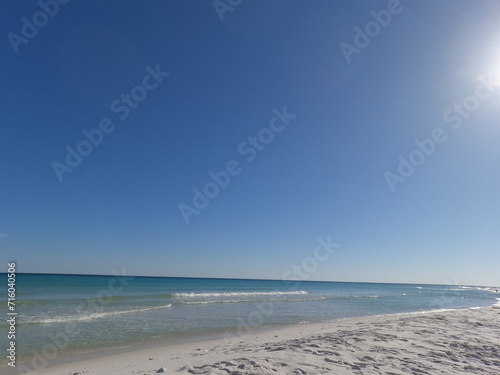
(78, 313)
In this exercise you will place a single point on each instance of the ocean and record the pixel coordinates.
(68, 314)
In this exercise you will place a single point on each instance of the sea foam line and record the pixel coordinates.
(207, 302)
(93, 316)
(236, 294)
(477, 288)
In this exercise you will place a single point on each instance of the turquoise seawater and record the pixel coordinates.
(78, 313)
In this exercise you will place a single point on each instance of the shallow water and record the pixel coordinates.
(78, 313)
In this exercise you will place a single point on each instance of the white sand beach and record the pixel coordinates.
(447, 342)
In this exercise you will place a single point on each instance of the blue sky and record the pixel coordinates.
(324, 174)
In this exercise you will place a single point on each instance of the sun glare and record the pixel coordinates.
(496, 78)
(495, 74)
(492, 78)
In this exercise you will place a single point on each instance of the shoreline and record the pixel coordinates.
(67, 357)
(318, 348)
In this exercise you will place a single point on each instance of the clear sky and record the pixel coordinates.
(343, 111)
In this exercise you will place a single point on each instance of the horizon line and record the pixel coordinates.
(234, 278)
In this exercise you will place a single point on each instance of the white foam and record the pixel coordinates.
(207, 302)
(436, 311)
(236, 294)
(92, 316)
(477, 288)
